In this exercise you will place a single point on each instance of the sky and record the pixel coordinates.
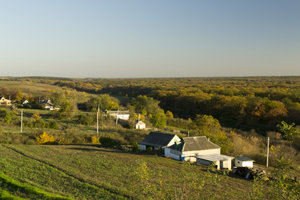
(149, 38)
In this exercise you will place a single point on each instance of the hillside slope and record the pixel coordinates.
(89, 172)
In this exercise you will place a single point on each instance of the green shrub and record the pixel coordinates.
(109, 142)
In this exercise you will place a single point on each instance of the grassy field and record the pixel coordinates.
(90, 172)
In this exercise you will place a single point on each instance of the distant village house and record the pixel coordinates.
(140, 124)
(48, 105)
(5, 102)
(123, 115)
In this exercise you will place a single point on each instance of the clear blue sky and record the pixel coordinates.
(149, 38)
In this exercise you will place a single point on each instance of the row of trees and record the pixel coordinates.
(246, 103)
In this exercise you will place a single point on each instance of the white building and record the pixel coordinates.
(191, 147)
(158, 140)
(123, 115)
(140, 125)
(219, 160)
(5, 102)
(243, 162)
(48, 105)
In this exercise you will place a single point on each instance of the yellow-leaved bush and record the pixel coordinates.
(95, 140)
(44, 138)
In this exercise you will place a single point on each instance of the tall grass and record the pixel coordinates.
(24, 190)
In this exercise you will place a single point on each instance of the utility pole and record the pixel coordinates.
(98, 121)
(268, 152)
(188, 133)
(117, 117)
(21, 121)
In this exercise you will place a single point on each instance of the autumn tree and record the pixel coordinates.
(288, 131)
(104, 101)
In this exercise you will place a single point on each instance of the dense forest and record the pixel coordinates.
(247, 103)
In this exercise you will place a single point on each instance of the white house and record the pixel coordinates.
(220, 161)
(140, 125)
(48, 105)
(24, 102)
(243, 162)
(191, 147)
(158, 140)
(5, 102)
(123, 115)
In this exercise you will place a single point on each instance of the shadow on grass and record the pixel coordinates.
(99, 148)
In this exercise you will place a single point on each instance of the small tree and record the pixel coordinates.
(169, 114)
(44, 138)
(288, 131)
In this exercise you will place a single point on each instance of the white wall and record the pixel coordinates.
(201, 152)
(140, 126)
(239, 163)
(123, 116)
(189, 155)
(226, 164)
(175, 139)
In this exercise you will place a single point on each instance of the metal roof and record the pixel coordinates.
(243, 158)
(214, 157)
(158, 139)
(195, 144)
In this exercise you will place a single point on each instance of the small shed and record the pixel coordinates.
(243, 162)
(140, 125)
(220, 161)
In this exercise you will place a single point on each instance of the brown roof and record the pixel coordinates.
(195, 144)
(158, 139)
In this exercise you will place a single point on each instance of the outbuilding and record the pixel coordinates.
(119, 114)
(219, 160)
(243, 162)
(140, 125)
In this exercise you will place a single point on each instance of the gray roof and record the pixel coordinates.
(243, 158)
(158, 139)
(195, 144)
(214, 157)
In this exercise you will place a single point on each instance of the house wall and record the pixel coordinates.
(140, 126)
(142, 147)
(226, 164)
(203, 162)
(201, 152)
(124, 116)
(171, 153)
(167, 152)
(239, 163)
(189, 155)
